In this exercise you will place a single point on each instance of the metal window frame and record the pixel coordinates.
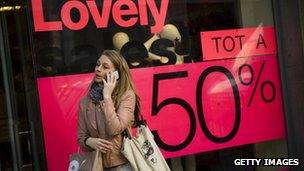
(291, 58)
(11, 106)
(33, 113)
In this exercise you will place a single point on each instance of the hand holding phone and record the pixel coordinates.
(109, 84)
(96, 90)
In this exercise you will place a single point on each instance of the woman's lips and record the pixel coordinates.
(98, 76)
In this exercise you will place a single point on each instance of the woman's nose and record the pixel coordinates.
(99, 69)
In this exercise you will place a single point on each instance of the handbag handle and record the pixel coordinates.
(126, 133)
(138, 122)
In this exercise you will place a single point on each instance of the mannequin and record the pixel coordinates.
(169, 32)
(120, 39)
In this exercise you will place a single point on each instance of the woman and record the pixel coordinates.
(102, 122)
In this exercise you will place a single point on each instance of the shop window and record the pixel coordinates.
(214, 63)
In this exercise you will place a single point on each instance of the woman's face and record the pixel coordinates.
(103, 66)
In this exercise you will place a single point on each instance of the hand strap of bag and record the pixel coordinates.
(97, 164)
(138, 122)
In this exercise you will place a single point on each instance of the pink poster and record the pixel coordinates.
(195, 107)
(190, 108)
(234, 43)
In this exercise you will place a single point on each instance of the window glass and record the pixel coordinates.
(220, 56)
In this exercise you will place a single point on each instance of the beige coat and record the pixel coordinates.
(104, 121)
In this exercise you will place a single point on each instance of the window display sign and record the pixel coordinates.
(101, 16)
(190, 108)
(238, 43)
(230, 95)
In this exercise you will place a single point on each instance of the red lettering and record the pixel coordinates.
(117, 13)
(143, 12)
(103, 20)
(66, 15)
(159, 17)
(38, 17)
(101, 17)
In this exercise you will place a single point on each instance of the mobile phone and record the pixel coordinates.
(116, 74)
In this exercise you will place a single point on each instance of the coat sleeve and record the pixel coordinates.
(117, 122)
(82, 131)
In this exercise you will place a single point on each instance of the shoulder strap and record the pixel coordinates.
(140, 121)
(126, 133)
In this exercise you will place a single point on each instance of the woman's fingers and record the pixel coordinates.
(103, 149)
(109, 85)
(104, 81)
(115, 80)
(108, 146)
(111, 77)
(106, 142)
(108, 77)
(105, 145)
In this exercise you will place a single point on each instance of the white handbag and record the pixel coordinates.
(89, 161)
(142, 151)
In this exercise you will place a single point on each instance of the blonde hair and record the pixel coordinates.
(125, 82)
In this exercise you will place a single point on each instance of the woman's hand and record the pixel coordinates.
(100, 144)
(109, 85)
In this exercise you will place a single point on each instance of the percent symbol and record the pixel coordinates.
(264, 84)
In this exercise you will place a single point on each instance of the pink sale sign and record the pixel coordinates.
(222, 44)
(232, 98)
(190, 108)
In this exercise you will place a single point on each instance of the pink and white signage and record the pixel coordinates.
(235, 43)
(190, 108)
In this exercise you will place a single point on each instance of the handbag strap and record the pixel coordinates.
(139, 121)
(126, 133)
